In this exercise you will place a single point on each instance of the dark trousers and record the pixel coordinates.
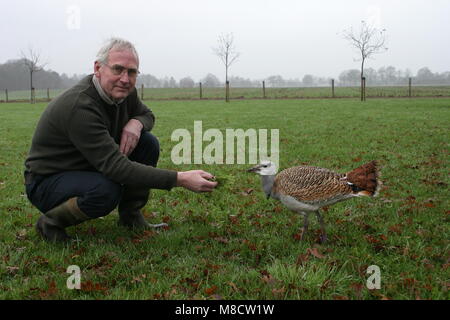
(97, 195)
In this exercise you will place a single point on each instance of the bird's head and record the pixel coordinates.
(265, 168)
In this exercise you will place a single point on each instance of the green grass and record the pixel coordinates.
(236, 244)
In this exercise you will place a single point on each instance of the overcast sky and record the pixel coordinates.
(274, 37)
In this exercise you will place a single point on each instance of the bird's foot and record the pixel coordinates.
(303, 233)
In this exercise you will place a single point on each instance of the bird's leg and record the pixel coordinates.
(305, 225)
(323, 236)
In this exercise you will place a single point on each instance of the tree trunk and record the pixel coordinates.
(227, 91)
(31, 86)
(362, 76)
(226, 78)
(226, 67)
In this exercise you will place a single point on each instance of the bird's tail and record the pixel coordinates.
(364, 180)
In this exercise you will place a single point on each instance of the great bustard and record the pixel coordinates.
(305, 189)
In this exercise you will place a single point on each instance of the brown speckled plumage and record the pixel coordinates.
(311, 184)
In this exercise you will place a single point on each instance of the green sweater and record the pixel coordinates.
(79, 131)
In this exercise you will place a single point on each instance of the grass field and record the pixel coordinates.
(257, 93)
(236, 244)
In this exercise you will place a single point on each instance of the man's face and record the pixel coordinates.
(116, 84)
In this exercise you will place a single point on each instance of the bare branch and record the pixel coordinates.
(32, 61)
(368, 40)
(226, 51)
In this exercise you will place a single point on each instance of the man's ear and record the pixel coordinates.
(97, 66)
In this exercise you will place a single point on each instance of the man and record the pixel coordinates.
(92, 151)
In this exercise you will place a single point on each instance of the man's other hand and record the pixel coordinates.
(130, 136)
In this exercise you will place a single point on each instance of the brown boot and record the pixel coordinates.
(130, 215)
(51, 225)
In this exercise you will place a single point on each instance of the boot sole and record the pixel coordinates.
(140, 226)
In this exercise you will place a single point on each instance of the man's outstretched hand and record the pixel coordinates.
(130, 136)
(196, 180)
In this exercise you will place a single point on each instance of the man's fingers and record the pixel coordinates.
(124, 144)
(196, 180)
(209, 185)
(127, 144)
(127, 148)
(123, 141)
(206, 175)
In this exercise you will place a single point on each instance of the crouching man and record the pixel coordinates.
(92, 151)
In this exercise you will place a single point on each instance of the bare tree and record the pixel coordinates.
(368, 40)
(227, 54)
(32, 61)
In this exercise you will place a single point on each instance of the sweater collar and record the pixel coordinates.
(103, 94)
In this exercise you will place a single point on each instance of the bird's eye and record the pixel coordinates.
(265, 166)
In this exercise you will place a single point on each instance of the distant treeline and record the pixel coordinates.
(390, 76)
(15, 76)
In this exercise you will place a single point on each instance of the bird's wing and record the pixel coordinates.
(311, 184)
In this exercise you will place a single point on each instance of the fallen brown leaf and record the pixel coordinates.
(222, 240)
(211, 291)
(429, 205)
(396, 228)
(302, 259)
(269, 280)
(315, 253)
(233, 219)
(52, 290)
(357, 287)
(89, 286)
(278, 292)
(278, 209)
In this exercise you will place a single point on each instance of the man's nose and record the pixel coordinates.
(124, 77)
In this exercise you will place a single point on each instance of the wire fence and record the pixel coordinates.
(200, 92)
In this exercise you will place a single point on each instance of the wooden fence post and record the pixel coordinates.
(48, 94)
(201, 93)
(363, 89)
(362, 86)
(410, 91)
(142, 92)
(6, 93)
(332, 88)
(33, 95)
(264, 89)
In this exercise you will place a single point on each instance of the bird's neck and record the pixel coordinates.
(267, 184)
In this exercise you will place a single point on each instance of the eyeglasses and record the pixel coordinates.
(118, 70)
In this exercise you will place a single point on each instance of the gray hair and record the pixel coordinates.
(115, 44)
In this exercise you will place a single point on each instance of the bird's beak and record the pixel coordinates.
(254, 169)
